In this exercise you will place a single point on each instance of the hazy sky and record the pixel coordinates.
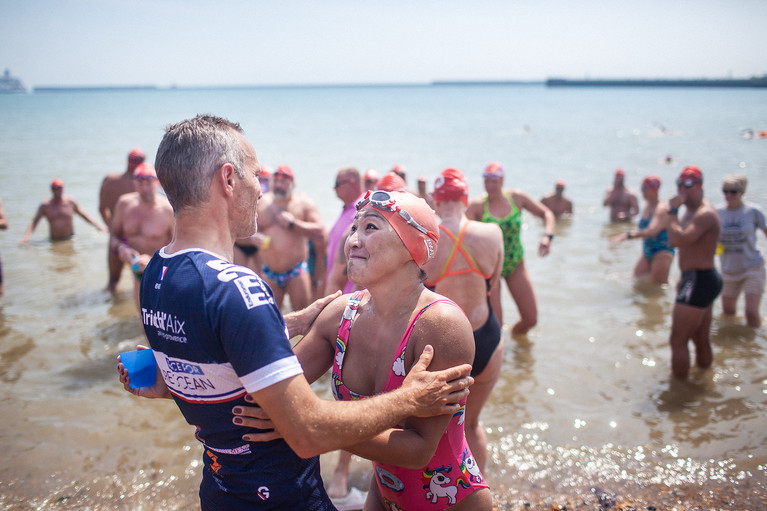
(243, 42)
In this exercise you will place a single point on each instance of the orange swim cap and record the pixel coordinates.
(284, 171)
(391, 182)
(411, 218)
(144, 170)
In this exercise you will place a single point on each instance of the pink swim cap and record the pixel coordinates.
(411, 218)
(493, 169)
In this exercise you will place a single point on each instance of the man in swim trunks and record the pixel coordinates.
(466, 267)
(504, 207)
(622, 201)
(696, 235)
(59, 210)
(112, 188)
(290, 220)
(142, 223)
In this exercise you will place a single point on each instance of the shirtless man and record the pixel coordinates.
(696, 235)
(623, 203)
(142, 223)
(59, 210)
(560, 205)
(290, 220)
(112, 187)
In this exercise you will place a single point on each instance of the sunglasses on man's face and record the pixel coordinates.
(729, 192)
(686, 183)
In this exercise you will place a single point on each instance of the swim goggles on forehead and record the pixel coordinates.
(383, 200)
(687, 183)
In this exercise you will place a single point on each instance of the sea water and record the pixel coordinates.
(587, 399)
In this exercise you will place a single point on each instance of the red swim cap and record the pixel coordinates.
(620, 172)
(651, 181)
(692, 172)
(284, 171)
(57, 183)
(144, 169)
(393, 205)
(266, 171)
(451, 185)
(391, 182)
(136, 156)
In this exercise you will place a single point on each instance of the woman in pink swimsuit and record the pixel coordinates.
(371, 338)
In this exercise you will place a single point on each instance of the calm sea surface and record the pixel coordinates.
(587, 400)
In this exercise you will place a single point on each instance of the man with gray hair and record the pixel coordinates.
(220, 342)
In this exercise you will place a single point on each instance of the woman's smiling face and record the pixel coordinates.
(373, 248)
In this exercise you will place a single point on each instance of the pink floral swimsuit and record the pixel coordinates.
(451, 475)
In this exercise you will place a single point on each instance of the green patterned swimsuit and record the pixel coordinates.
(512, 241)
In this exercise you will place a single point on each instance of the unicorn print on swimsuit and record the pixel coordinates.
(469, 467)
(439, 485)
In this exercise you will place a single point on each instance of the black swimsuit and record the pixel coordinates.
(488, 336)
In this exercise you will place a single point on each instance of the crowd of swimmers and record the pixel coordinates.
(455, 254)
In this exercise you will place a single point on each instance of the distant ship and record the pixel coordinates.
(11, 85)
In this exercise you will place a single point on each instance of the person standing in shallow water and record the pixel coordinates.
(696, 235)
(113, 187)
(59, 210)
(657, 256)
(556, 201)
(741, 262)
(504, 207)
(621, 200)
(466, 267)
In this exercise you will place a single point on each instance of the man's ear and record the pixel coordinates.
(225, 175)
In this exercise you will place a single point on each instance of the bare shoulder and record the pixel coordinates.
(475, 208)
(304, 201)
(486, 231)
(330, 317)
(446, 328)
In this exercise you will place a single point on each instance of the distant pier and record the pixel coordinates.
(754, 82)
